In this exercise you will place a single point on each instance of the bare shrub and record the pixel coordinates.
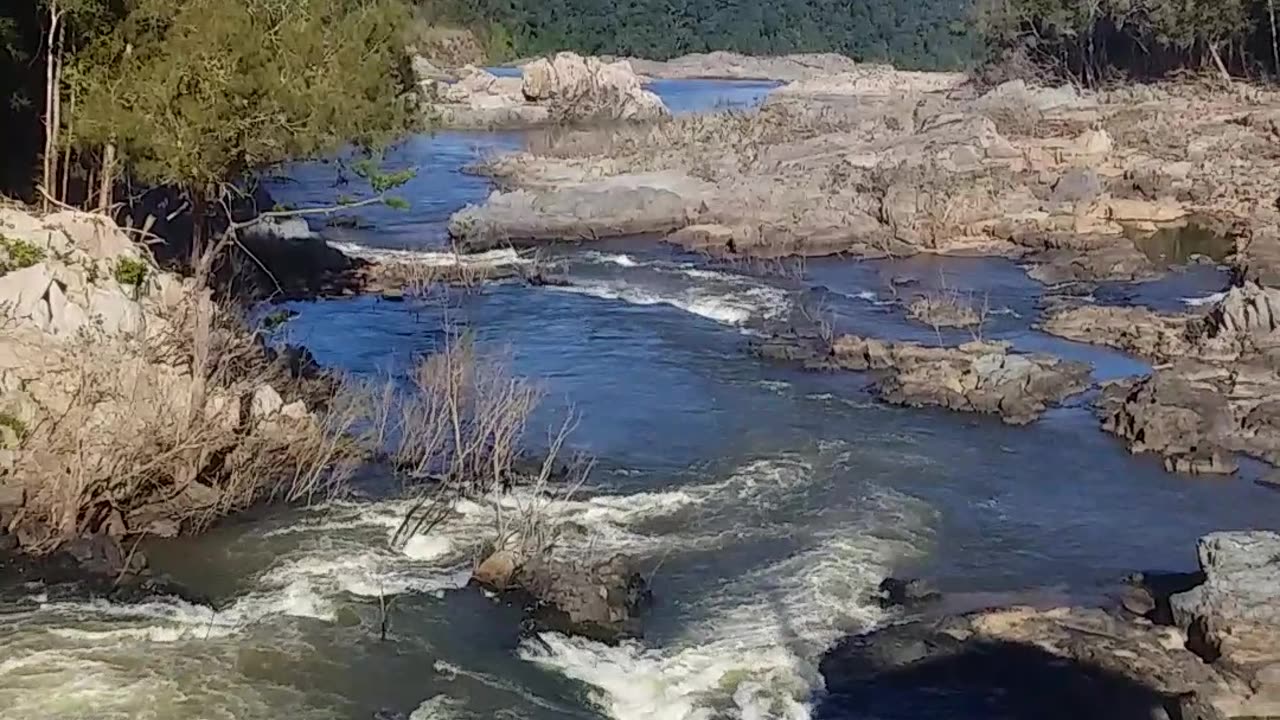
(706, 144)
(951, 308)
(457, 432)
(822, 320)
(127, 435)
(784, 268)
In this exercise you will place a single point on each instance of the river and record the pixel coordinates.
(768, 502)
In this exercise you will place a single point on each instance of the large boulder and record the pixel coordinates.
(1234, 617)
(588, 88)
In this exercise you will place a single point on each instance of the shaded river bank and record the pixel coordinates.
(767, 502)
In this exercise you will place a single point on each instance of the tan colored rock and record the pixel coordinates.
(586, 89)
(24, 293)
(496, 571)
(1142, 211)
(266, 403)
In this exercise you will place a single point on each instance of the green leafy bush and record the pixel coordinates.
(131, 272)
(8, 420)
(18, 254)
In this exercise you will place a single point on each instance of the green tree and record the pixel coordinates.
(199, 94)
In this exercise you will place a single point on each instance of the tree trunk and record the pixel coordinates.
(202, 322)
(66, 153)
(1275, 45)
(1217, 60)
(50, 92)
(108, 180)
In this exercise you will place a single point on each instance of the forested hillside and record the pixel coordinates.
(910, 33)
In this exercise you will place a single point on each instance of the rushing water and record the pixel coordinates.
(768, 502)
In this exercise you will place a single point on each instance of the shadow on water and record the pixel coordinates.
(987, 680)
(1179, 245)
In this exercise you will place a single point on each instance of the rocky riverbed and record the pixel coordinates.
(878, 162)
(743, 512)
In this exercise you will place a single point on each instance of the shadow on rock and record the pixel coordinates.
(914, 675)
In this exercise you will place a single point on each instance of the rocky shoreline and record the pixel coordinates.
(871, 162)
(1212, 392)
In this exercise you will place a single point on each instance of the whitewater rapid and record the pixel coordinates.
(749, 646)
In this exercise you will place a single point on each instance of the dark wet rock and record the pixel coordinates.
(102, 554)
(1019, 662)
(599, 600)
(795, 348)
(1148, 593)
(980, 377)
(1169, 413)
(906, 593)
(538, 278)
(602, 601)
(1195, 414)
(84, 571)
(1060, 257)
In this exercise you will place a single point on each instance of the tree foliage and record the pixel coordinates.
(910, 33)
(1091, 40)
(200, 92)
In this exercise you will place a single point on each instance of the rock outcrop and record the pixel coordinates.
(979, 376)
(721, 65)
(1217, 661)
(982, 377)
(107, 428)
(1232, 620)
(1135, 330)
(601, 600)
(875, 162)
(1213, 392)
(566, 88)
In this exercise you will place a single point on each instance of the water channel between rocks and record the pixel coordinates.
(769, 502)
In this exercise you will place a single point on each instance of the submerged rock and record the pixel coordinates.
(896, 592)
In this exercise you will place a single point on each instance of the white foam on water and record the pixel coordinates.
(441, 707)
(489, 258)
(751, 649)
(698, 273)
(733, 306)
(755, 654)
(428, 547)
(1210, 299)
(619, 259)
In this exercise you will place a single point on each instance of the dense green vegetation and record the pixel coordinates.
(910, 33)
(197, 95)
(1091, 41)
